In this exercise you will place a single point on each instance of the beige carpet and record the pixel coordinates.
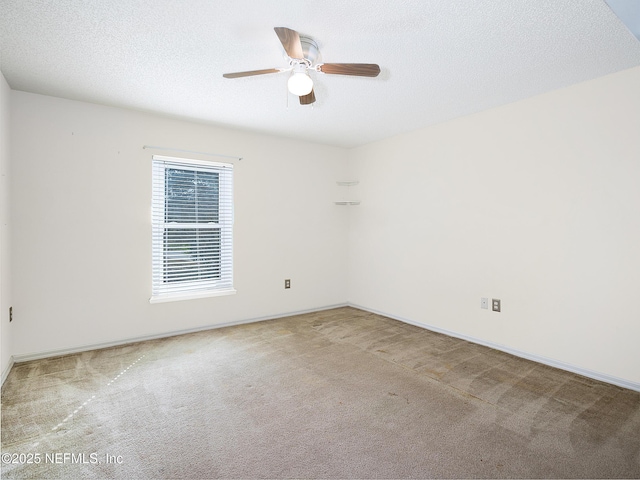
(336, 394)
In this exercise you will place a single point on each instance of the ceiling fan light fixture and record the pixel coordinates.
(300, 84)
(302, 53)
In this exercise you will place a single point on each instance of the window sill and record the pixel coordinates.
(191, 296)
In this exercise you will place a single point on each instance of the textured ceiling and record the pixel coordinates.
(440, 59)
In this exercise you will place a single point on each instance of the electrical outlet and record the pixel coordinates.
(287, 283)
(10, 314)
(484, 303)
(495, 305)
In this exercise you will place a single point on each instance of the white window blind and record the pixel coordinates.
(192, 222)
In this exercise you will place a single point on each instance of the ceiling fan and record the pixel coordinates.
(302, 53)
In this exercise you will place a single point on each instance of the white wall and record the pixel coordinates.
(82, 235)
(536, 203)
(6, 349)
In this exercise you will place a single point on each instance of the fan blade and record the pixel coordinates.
(290, 41)
(251, 73)
(308, 99)
(359, 69)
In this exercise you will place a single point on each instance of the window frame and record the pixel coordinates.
(167, 291)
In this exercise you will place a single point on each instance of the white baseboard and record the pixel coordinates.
(96, 346)
(5, 372)
(620, 382)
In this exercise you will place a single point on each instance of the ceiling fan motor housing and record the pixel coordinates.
(309, 49)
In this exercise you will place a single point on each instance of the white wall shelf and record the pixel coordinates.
(347, 183)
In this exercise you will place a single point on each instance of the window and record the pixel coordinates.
(192, 223)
